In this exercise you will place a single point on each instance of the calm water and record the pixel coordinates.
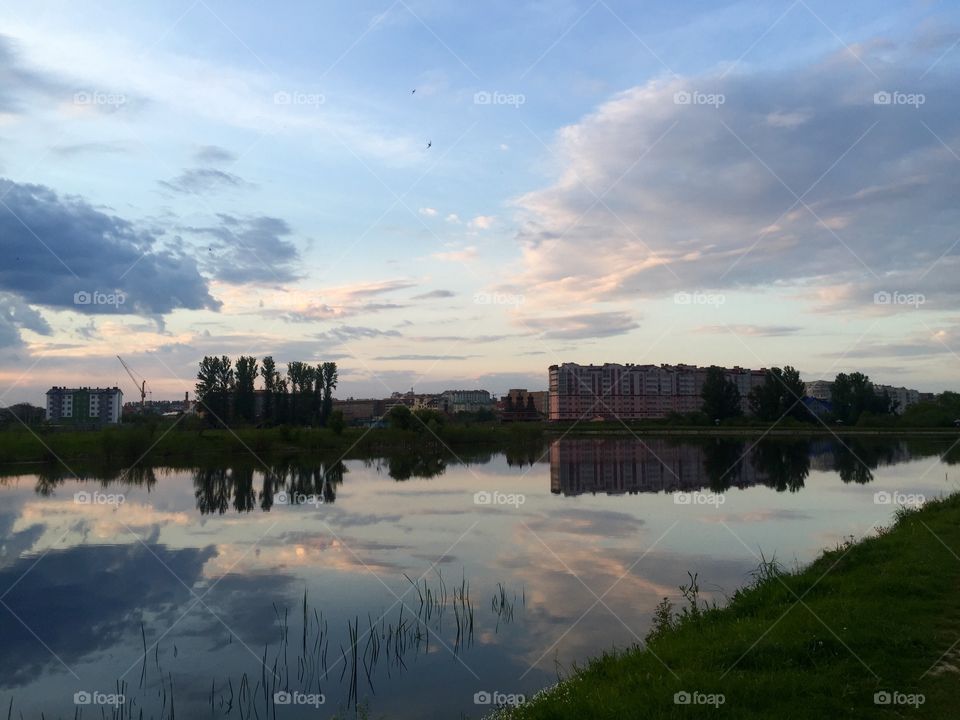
(205, 591)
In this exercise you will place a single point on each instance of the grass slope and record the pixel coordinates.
(870, 617)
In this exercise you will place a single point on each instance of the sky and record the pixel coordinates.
(457, 195)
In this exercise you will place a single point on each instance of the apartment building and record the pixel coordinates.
(84, 406)
(635, 392)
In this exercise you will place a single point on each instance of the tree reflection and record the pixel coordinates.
(785, 463)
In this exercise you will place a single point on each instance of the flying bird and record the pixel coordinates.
(429, 144)
(413, 91)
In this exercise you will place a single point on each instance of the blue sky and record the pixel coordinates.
(702, 182)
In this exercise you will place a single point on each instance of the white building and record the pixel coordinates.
(84, 406)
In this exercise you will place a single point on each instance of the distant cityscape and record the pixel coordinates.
(576, 392)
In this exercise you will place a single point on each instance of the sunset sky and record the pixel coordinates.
(571, 181)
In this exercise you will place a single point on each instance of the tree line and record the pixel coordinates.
(781, 395)
(226, 391)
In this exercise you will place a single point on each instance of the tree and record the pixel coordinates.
(854, 394)
(328, 377)
(214, 384)
(244, 398)
(336, 423)
(400, 417)
(781, 394)
(301, 377)
(271, 385)
(721, 398)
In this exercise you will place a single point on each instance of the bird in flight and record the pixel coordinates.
(429, 144)
(413, 91)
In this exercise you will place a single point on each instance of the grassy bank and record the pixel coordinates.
(161, 442)
(873, 617)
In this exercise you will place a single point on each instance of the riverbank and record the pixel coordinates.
(165, 442)
(861, 633)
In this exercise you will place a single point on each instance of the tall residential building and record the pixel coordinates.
(635, 392)
(903, 397)
(84, 406)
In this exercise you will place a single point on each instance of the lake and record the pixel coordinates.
(418, 585)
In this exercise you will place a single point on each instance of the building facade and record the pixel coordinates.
(819, 389)
(635, 392)
(84, 406)
(469, 401)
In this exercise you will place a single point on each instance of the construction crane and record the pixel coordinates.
(141, 385)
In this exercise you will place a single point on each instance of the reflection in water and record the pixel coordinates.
(628, 465)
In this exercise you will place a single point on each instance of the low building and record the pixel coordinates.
(84, 406)
(468, 401)
(819, 389)
(361, 411)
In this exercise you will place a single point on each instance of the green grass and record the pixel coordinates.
(874, 616)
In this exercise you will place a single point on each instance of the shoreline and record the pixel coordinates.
(863, 631)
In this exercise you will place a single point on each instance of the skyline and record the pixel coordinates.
(603, 183)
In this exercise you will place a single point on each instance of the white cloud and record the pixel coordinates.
(428, 211)
(482, 222)
(453, 218)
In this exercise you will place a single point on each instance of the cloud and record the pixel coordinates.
(213, 154)
(434, 295)
(355, 332)
(754, 330)
(57, 247)
(695, 195)
(16, 315)
(428, 211)
(481, 222)
(582, 325)
(20, 85)
(425, 357)
(453, 218)
(250, 250)
(198, 181)
(69, 151)
(467, 254)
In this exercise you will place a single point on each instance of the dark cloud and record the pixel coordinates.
(355, 332)
(197, 181)
(250, 250)
(434, 295)
(19, 84)
(214, 154)
(69, 151)
(16, 315)
(425, 357)
(59, 251)
(754, 330)
(582, 325)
